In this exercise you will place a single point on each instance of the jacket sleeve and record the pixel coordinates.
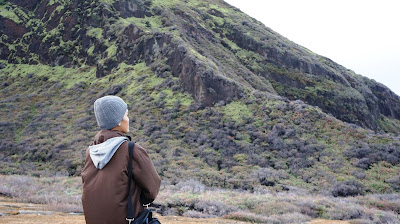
(145, 175)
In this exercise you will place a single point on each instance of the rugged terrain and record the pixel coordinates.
(217, 52)
(213, 95)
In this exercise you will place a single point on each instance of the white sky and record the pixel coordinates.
(363, 36)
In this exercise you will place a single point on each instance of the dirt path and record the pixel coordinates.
(79, 219)
(323, 221)
(12, 212)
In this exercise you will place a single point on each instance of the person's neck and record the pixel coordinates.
(118, 128)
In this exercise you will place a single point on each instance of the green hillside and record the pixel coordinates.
(213, 95)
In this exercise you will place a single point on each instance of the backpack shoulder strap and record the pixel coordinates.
(130, 211)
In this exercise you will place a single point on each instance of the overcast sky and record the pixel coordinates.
(363, 36)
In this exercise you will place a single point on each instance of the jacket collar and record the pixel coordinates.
(104, 135)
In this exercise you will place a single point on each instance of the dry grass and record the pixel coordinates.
(57, 193)
(193, 200)
(16, 213)
(10, 207)
(69, 219)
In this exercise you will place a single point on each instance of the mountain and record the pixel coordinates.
(213, 95)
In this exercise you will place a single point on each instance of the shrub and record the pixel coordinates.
(85, 122)
(347, 188)
(308, 208)
(58, 193)
(196, 214)
(289, 218)
(344, 212)
(364, 163)
(276, 208)
(395, 181)
(360, 152)
(384, 204)
(247, 217)
(386, 217)
(373, 153)
(360, 221)
(268, 176)
(190, 185)
(359, 174)
(213, 207)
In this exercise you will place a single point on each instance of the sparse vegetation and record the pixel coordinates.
(193, 199)
(214, 96)
(258, 141)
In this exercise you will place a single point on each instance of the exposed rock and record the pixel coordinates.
(11, 29)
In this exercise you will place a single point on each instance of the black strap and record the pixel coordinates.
(130, 213)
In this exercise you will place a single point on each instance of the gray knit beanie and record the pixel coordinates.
(109, 111)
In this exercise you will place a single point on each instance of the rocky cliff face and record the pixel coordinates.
(217, 55)
(76, 32)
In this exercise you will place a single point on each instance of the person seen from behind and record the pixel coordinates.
(105, 173)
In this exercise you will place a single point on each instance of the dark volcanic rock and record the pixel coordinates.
(11, 29)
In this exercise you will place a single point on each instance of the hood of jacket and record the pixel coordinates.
(102, 153)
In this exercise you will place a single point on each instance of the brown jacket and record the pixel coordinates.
(105, 191)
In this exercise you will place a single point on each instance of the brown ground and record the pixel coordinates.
(20, 213)
(323, 221)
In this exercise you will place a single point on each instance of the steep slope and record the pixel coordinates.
(210, 89)
(216, 50)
